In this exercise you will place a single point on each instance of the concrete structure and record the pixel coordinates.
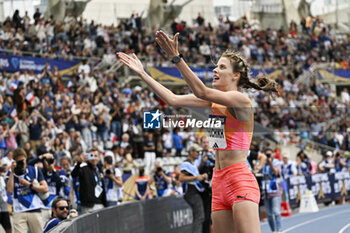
(110, 12)
(279, 13)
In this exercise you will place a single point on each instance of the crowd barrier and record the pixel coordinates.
(169, 214)
(325, 187)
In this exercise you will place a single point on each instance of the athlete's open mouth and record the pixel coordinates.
(216, 78)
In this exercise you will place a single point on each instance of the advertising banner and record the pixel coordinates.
(10, 63)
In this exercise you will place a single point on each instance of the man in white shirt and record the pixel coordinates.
(7, 160)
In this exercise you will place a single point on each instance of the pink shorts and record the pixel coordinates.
(233, 184)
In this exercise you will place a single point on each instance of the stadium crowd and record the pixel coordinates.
(92, 118)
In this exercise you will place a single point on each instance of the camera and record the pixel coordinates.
(159, 169)
(2, 169)
(268, 155)
(109, 172)
(19, 169)
(50, 161)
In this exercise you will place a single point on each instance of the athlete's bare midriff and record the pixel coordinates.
(225, 158)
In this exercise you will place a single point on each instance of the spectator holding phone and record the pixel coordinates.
(92, 192)
(25, 183)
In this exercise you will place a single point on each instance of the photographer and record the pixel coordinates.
(4, 211)
(25, 183)
(206, 163)
(113, 181)
(53, 180)
(92, 192)
(60, 211)
(192, 177)
(272, 190)
(161, 179)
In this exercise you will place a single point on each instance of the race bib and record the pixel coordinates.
(98, 191)
(217, 139)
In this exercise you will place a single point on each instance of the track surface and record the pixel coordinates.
(328, 220)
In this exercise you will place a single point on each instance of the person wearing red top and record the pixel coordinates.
(235, 202)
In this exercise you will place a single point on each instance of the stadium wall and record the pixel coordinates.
(169, 214)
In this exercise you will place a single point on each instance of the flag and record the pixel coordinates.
(69, 84)
(30, 97)
(52, 122)
(13, 112)
(110, 100)
(113, 137)
(14, 86)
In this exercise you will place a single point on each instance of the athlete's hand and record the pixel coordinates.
(169, 46)
(132, 62)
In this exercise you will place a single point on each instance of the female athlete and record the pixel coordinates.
(235, 200)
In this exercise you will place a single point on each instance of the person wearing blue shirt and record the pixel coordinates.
(177, 142)
(206, 164)
(191, 176)
(273, 191)
(26, 183)
(60, 211)
(53, 180)
(161, 179)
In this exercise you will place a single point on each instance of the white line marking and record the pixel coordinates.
(313, 220)
(343, 229)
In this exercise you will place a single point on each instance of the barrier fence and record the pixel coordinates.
(174, 215)
(169, 214)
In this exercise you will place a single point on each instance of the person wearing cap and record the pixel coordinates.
(26, 184)
(92, 193)
(190, 175)
(327, 163)
(288, 168)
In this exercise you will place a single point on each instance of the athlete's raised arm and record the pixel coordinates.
(168, 96)
(228, 98)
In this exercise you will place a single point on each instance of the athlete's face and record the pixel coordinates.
(224, 77)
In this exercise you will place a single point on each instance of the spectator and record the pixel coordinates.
(162, 180)
(167, 140)
(288, 168)
(301, 167)
(327, 163)
(142, 190)
(150, 154)
(7, 160)
(92, 192)
(177, 142)
(272, 190)
(25, 183)
(4, 212)
(128, 162)
(60, 212)
(54, 182)
(191, 176)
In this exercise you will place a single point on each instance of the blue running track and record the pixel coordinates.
(334, 219)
